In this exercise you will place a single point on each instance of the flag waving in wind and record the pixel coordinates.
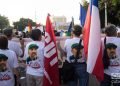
(92, 41)
(82, 15)
(51, 75)
(70, 27)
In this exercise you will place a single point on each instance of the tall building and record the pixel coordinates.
(60, 22)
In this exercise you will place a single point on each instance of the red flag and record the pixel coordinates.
(92, 41)
(51, 74)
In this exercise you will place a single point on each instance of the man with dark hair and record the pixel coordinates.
(111, 31)
(111, 37)
(37, 47)
(6, 75)
(13, 45)
(12, 59)
(36, 35)
(112, 72)
(77, 31)
(33, 67)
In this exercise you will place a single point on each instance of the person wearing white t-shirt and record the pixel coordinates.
(112, 69)
(14, 45)
(12, 63)
(77, 31)
(111, 37)
(35, 74)
(6, 74)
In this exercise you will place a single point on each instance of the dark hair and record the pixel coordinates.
(77, 30)
(111, 30)
(35, 34)
(3, 42)
(8, 32)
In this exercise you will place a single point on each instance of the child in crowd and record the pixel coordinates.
(79, 63)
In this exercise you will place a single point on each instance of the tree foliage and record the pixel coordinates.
(4, 22)
(113, 11)
(22, 23)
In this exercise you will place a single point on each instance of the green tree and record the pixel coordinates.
(113, 11)
(22, 23)
(4, 22)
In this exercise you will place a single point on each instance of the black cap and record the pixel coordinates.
(76, 45)
(31, 46)
(2, 56)
(111, 45)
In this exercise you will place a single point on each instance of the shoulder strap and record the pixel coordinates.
(106, 61)
(105, 42)
(79, 48)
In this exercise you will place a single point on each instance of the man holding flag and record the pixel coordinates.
(92, 41)
(51, 74)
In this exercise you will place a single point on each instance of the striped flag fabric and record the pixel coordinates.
(51, 72)
(92, 41)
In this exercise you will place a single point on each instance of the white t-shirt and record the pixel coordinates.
(68, 44)
(12, 58)
(15, 47)
(35, 68)
(12, 63)
(7, 78)
(40, 55)
(113, 68)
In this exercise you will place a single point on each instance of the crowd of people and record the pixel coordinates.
(74, 69)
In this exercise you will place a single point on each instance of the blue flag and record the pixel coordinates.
(70, 27)
(82, 15)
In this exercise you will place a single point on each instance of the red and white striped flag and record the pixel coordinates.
(92, 41)
(51, 72)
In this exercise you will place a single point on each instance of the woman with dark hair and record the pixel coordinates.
(12, 63)
(3, 42)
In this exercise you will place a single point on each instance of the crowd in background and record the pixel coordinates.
(73, 72)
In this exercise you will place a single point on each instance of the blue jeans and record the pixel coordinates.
(81, 74)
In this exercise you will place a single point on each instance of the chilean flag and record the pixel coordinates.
(92, 41)
(51, 74)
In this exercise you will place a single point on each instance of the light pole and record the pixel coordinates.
(105, 12)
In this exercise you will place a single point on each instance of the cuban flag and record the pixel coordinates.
(51, 72)
(92, 41)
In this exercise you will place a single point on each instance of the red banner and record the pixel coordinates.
(51, 73)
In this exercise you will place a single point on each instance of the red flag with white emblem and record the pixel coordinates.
(51, 73)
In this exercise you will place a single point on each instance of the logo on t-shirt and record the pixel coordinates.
(5, 76)
(34, 65)
(115, 62)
